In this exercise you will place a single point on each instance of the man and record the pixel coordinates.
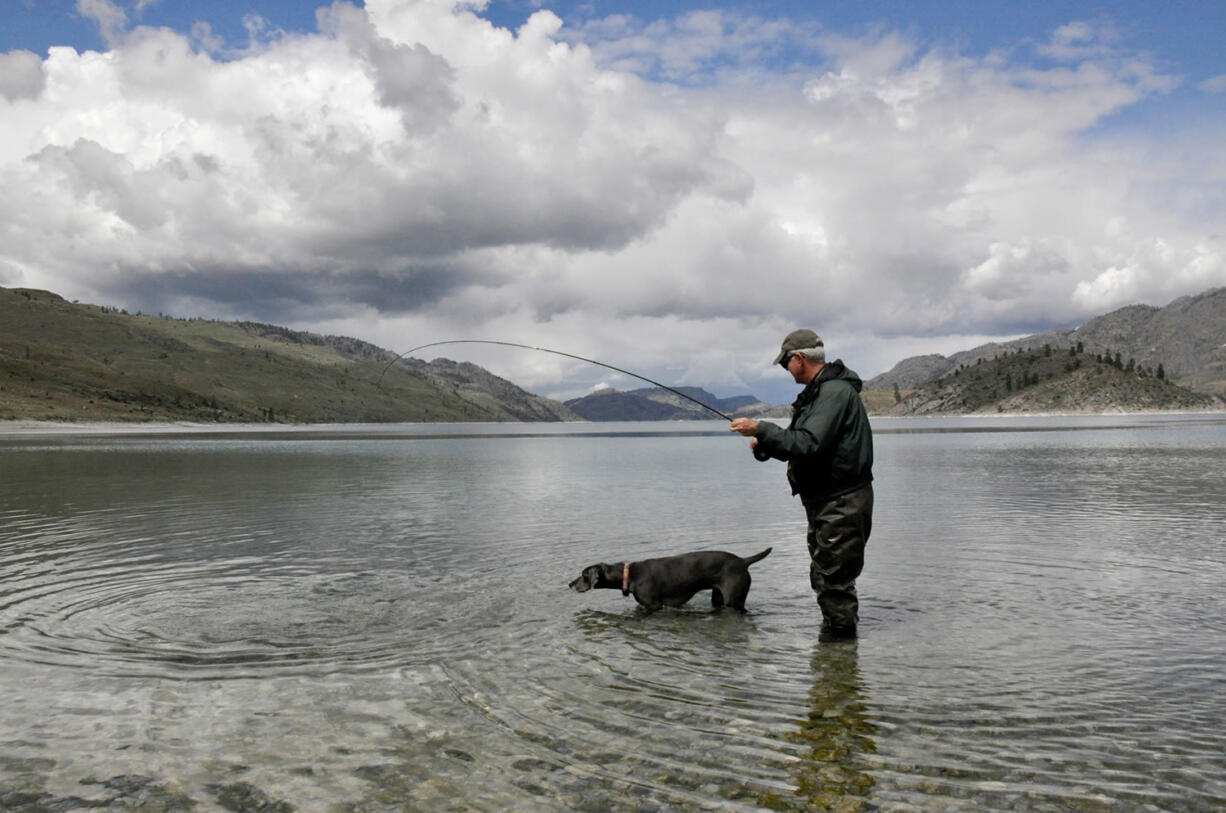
(828, 447)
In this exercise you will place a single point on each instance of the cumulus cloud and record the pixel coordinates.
(674, 196)
(354, 152)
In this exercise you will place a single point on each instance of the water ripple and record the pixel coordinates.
(239, 617)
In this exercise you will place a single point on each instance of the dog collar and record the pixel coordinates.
(626, 579)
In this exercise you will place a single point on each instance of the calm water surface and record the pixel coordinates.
(377, 619)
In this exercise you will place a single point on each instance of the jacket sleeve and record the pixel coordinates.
(812, 432)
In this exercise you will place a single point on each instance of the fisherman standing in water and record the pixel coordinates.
(828, 447)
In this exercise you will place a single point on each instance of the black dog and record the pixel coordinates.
(673, 580)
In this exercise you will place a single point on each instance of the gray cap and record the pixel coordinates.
(802, 339)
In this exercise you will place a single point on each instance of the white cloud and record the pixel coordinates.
(112, 20)
(1074, 41)
(1214, 84)
(692, 47)
(654, 195)
(1134, 273)
(202, 36)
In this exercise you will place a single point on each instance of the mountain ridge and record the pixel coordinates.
(1050, 380)
(62, 361)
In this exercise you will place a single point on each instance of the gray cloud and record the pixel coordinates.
(407, 77)
(270, 294)
(21, 75)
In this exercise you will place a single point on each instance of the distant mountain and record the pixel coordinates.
(497, 396)
(65, 361)
(657, 404)
(912, 372)
(1187, 338)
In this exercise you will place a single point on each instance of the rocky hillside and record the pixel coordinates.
(1051, 380)
(64, 361)
(1187, 338)
(657, 404)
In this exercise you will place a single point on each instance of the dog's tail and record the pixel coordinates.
(757, 557)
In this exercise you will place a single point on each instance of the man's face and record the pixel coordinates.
(796, 366)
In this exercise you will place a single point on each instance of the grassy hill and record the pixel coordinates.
(64, 361)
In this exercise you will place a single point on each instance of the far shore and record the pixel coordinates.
(22, 426)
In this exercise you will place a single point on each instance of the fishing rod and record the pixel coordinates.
(556, 353)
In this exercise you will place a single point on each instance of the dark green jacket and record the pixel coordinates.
(828, 445)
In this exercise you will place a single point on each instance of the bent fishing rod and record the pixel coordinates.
(556, 353)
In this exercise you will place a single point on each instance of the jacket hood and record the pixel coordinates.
(837, 369)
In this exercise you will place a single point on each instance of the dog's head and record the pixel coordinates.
(589, 578)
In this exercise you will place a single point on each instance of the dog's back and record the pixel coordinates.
(705, 560)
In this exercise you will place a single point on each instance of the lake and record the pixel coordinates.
(377, 618)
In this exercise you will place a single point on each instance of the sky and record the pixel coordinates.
(666, 187)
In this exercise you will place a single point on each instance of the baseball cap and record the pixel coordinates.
(802, 339)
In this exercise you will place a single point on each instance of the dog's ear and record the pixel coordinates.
(597, 575)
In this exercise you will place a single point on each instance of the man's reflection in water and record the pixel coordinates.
(832, 773)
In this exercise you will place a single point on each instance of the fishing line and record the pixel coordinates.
(556, 353)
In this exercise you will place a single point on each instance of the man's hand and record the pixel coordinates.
(745, 426)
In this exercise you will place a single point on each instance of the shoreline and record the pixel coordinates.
(22, 426)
